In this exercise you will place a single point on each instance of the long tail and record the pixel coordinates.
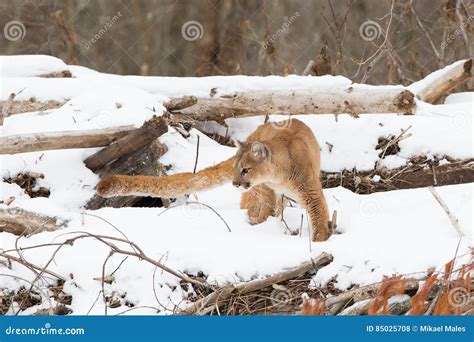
(166, 186)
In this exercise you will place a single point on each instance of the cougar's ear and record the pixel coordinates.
(237, 143)
(260, 152)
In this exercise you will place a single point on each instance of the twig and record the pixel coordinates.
(200, 203)
(197, 154)
(435, 181)
(215, 211)
(420, 24)
(334, 222)
(30, 265)
(93, 304)
(386, 37)
(462, 26)
(452, 218)
(307, 69)
(399, 138)
(117, 268)
(103, 282)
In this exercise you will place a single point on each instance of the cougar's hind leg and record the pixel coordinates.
(260, 202)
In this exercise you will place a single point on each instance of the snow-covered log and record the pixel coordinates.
(61, 140)
(21, 222)
(128, 144)
(352, 100)
(440, 83)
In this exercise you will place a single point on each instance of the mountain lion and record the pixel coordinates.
(275, 160)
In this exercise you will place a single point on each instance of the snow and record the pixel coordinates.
(29, 65)
(93, 109)
(396, 232)
(460, 98)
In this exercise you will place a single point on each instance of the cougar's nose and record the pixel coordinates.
(236, 184)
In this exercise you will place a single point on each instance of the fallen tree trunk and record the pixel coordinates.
(442, 83)
(131, 142)
(351, 100)
(61, 140)
(21, 222)
(215, 299)
(418, 175)
(143, 162)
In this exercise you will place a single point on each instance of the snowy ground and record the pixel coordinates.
(401, 232)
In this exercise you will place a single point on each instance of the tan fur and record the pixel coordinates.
(274, 161)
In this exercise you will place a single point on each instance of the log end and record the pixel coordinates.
(467, 67)
(157, 125)
(405, 102)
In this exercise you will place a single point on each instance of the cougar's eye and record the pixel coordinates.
(244, 171)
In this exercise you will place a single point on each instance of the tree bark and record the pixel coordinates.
(134, 141)
(444, 83)
(21, 222)
(61, 140)
(352, 101)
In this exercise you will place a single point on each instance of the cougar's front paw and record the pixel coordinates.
(108, 186)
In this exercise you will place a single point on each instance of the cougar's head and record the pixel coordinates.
(251, 165)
